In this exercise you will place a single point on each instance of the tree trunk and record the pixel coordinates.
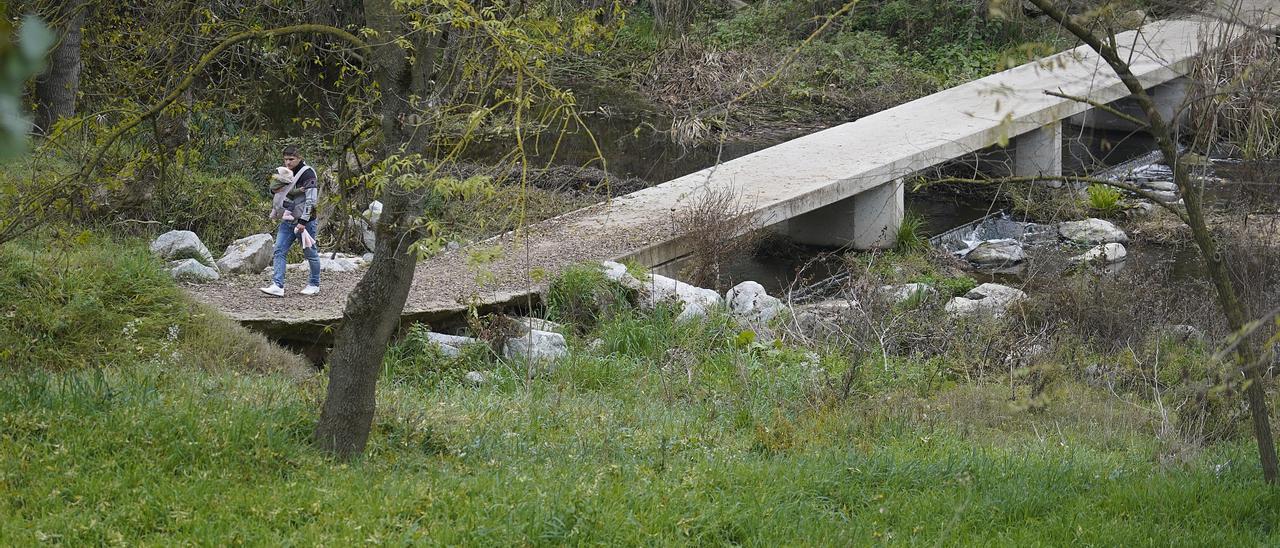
(373, 309)
(56, 89)
(1246, 352)
(370, 318)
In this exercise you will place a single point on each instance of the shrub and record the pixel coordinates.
(911, 236)
(1104, 199)
(219, 209)
(417, 360)
(582, 296)
(716, 226)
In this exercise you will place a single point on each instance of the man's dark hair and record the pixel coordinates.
(291, 151)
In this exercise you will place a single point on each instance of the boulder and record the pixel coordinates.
(191, 270)
(986, 299)
(373, 212)
(1163, 186)
(1183, 333)
(1102, 254)
(692, 311)
(898, 294)
(1141, 209)
(539, 324)
(748, 301)
(449, 351)
(182, 244)
(1037, 233)
(1092, 232)
(664, 289)
(456, 341)
(824, 319)
(541, 347)
(1004, 252)
(617, 272)
(338, 263)
(475, 378)
(249, 254)
(1164, 197)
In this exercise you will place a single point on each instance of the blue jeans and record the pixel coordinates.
(285, 236)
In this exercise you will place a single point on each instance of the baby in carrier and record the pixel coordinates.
(282, 183)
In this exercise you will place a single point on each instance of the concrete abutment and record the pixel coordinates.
(868, 220)
(1170, 99)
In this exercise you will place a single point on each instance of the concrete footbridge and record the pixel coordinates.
(839, 186)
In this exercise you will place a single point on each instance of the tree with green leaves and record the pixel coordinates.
(420, 80)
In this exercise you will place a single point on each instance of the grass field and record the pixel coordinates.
(660, 434)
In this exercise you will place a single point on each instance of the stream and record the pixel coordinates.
(627, 130)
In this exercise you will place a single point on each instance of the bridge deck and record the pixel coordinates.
(779, 183)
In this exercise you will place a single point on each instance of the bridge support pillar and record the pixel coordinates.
(1039, 153)
(869, 220)
(1170, 98)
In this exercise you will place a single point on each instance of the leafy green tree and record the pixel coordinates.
(21, 57)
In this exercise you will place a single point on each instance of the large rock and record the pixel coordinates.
(824, 319)
(543, 348)
(1164, 196)
(1163, 186)
(450, 345)
(373, 213)
(182, 244)
(539, 324)
(989, 299)
(1182, 333)
(339, 263)
(249, 254)
(476, 378)
(191, 270)
(1092, 232)
(456, 341)
(748, 301)
(692, 311)
(898, 294)
(617, 272)
(663, 289)
(1003, 252)
(1102, 254)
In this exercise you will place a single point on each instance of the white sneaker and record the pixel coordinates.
(273, 290)
(309, 290)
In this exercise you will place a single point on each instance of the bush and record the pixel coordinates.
(417, 360)
(219, 209)
(911, 236)
(1104, 199)
(582, 296)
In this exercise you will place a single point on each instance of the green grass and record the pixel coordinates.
(84, 301)
(911, 235)
(1104, 199)
(155, 456)
(662, 433)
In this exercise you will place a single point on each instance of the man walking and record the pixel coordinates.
(299, 225)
